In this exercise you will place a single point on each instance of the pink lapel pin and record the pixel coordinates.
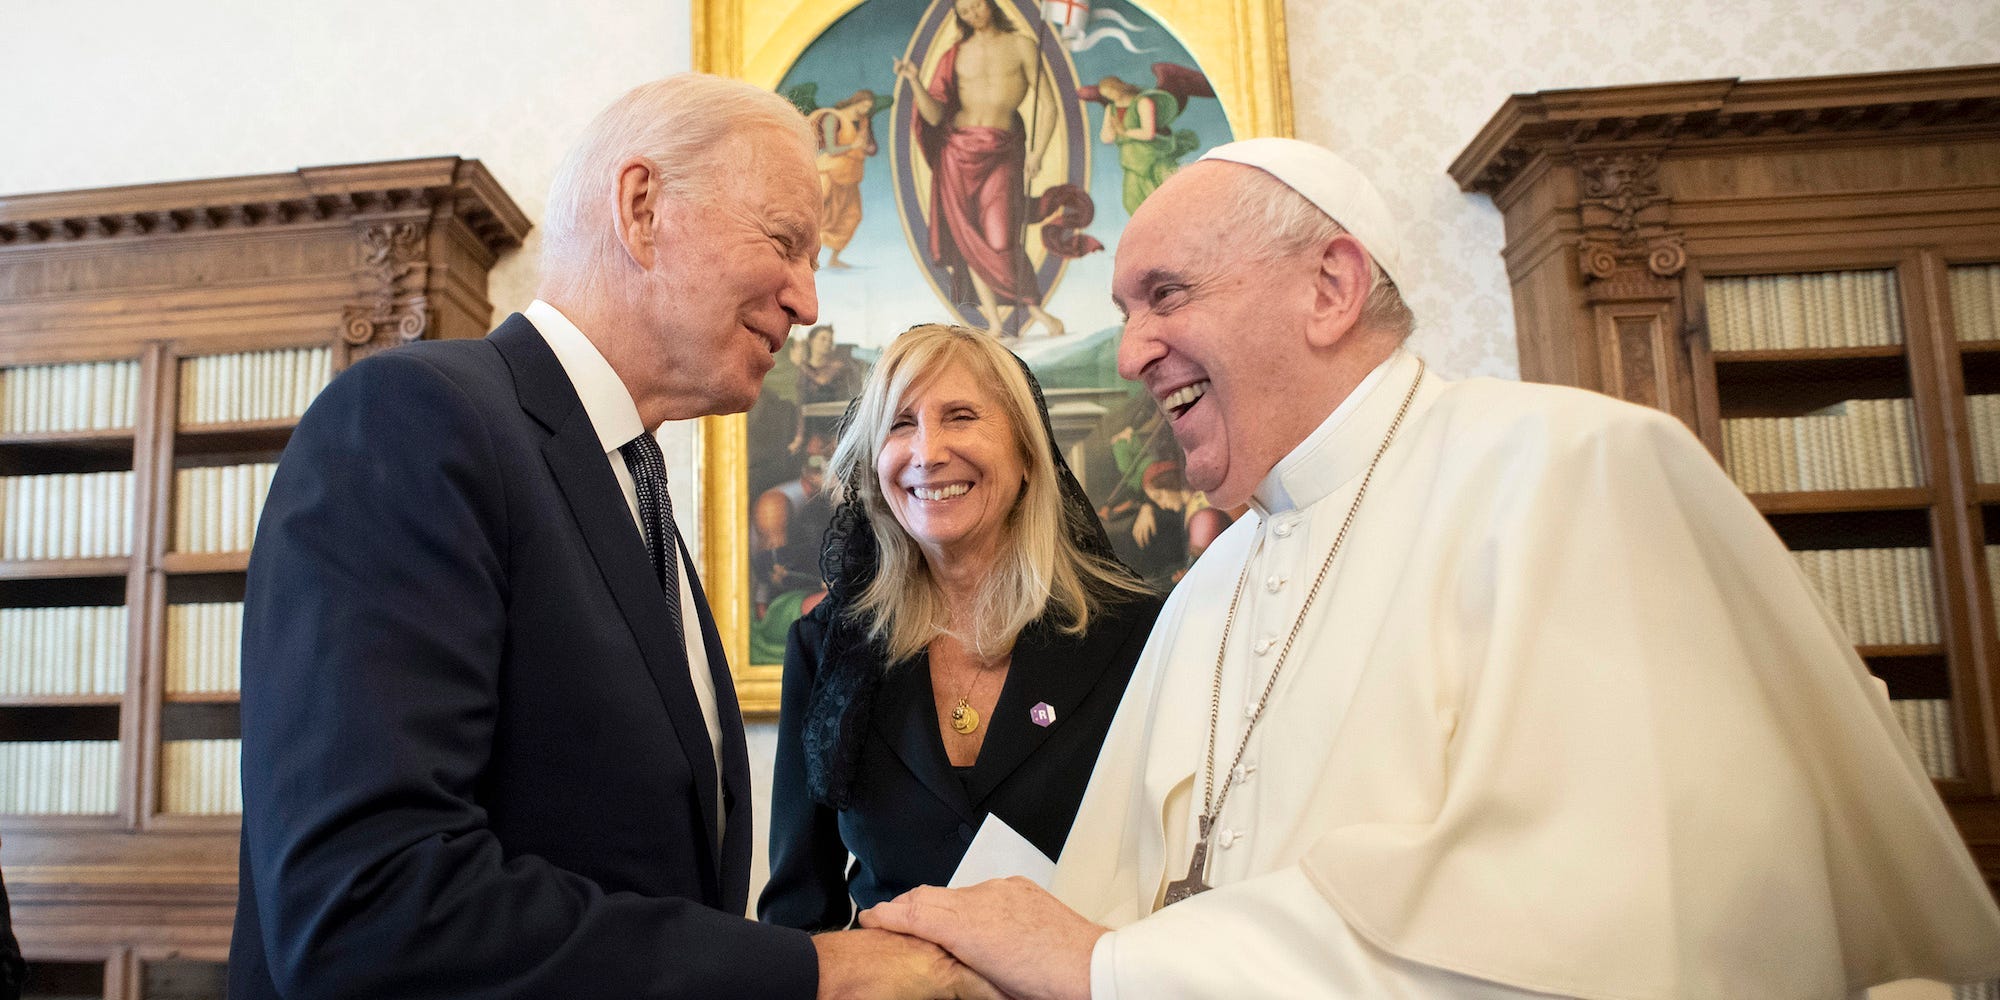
(1042, 714)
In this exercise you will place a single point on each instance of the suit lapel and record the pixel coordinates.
(1049, 668)
(736, 793)
(906, 716)
(577, 460)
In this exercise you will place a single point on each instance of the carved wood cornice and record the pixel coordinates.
(1567, 124)
(436, 188)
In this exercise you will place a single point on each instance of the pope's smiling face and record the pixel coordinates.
(951, 468)
(1212, 333)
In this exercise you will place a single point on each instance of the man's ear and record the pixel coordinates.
(1340, 288)
(635, 192)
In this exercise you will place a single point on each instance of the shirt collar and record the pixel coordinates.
(606, 401)
(1342, 445)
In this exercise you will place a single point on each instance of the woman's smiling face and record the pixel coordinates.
(951, 468)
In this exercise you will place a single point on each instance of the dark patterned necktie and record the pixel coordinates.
(656, 510)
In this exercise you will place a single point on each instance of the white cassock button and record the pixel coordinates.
(1250, 710)
(1283, 530)
(1243, 772)
(1262, 646)
(1271, 584)
(1227, 838)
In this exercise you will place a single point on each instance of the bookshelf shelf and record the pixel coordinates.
(205, 562)
(233, 438)
(30, 569)
(203, 697)
(1900, 651)
(1806, 355)
(1833, 501)
(1821, 306)
(133, 898)
(118, 440)
(60, 700)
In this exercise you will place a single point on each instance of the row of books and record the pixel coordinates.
(261, 385)
(86, 396)
(1927, 722)
(1768, 312)
(1989, 990)
(59, 777)
(62, 651)
(204, 648)
(216, 506)
(1983, 412)
(201, 777)
(69, 515)
(1881, 597)
(1975, 304)
(1860, 444)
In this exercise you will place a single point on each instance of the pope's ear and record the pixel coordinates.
(635, 197)
(1340, 288)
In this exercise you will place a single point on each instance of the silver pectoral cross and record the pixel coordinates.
(1194, 883)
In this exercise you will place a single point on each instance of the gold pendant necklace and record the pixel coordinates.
(964, 718)
(1196, 880)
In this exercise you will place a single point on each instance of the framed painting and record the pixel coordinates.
(988, 192)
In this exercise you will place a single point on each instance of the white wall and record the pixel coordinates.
(100, 92)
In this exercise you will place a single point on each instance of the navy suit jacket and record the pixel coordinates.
(473, 761)
(910, 815)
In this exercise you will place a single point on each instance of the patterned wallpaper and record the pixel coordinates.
(1400, 88)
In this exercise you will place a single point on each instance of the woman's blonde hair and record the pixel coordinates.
(1040, 565)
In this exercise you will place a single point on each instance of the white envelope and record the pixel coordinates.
(998, 851)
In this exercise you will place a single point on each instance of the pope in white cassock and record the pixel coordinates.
(1504, 690)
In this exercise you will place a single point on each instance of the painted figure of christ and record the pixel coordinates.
(970, 126)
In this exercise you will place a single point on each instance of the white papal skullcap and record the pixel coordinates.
(1331, 183)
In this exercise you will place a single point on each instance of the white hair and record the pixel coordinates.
(1286, 223)
(681, 125)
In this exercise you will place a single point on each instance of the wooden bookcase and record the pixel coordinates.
(133, 895)
(1683, 245)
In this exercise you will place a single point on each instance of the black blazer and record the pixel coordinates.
(12, 970)
(910, 817)
(473, 762)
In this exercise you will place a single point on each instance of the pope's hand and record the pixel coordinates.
(1023, 940)
(867, 964)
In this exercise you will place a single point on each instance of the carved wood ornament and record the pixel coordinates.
(394, 309)
(1623, 217)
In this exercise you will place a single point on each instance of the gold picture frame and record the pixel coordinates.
(1238, 44)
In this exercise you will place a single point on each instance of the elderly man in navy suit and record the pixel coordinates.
(490, 744)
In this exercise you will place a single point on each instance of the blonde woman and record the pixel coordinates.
(974, 644)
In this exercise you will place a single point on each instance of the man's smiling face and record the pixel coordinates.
(1212, 331)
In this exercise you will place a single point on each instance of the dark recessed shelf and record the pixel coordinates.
(97, 720)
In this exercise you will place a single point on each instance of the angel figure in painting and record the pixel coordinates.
(982, 156)
(1140, 123)
(846, 135)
